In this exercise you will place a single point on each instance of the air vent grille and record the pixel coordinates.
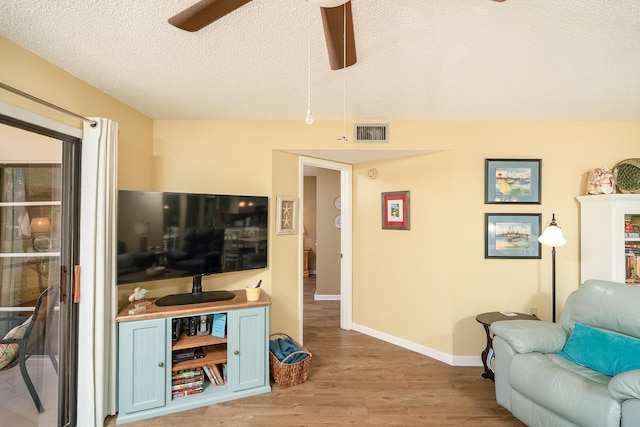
(371, 132)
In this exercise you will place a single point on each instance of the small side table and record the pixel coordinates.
(305, 262)
(486, 319)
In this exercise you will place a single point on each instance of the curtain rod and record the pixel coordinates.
(93, 123)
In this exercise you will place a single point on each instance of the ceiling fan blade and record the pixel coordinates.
(204, 13)
(333, 21)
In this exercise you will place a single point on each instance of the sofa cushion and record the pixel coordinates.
(577, 395)
(525, 336)
(608, 305)
(603, 351)
(625, 386)
(9, 351)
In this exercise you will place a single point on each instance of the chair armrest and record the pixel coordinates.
(527, 336)
(625, 386)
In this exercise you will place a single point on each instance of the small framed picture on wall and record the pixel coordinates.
(286, 215)
(395, 211)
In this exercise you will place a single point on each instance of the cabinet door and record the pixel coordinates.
(142, 365)
(248, 348)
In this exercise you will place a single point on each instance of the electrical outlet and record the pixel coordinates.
(533, 311)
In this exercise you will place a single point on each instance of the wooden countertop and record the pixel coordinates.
(155, 312)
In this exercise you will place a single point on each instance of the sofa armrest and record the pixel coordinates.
(526, 336)
(625, 385)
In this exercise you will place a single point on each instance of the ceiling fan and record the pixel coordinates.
(335, 14)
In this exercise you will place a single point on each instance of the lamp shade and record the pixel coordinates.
(552, 235)
(40, 225)
(141, 228)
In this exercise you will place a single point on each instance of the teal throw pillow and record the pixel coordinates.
(606, 352)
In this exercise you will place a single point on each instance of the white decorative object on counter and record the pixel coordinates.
(138, 294)
(600, 181)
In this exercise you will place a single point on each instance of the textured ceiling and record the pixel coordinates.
(417, 59)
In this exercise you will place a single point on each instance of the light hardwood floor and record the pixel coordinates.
(357, 380)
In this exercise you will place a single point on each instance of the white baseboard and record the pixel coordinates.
(421, 349)
(317, 297)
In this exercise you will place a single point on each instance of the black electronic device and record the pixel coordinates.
(187, 354)
(163, 235)
(194, 298)
(176, 329)
(204, 324)
(192, 328)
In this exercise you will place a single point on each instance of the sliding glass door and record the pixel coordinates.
(38, 229)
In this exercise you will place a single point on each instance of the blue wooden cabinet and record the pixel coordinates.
(142, 365)
(145, 359)
(248, 367)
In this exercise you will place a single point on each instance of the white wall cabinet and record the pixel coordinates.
(606, 247)
(145, 349)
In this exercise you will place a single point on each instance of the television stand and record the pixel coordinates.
(146, 364)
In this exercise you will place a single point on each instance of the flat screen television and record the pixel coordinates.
(164, 235)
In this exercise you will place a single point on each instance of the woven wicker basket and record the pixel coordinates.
(288, 374)
(627, 176)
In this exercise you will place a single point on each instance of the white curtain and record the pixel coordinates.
(98, 297)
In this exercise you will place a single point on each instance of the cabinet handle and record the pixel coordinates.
(160, 364)
(236, 352)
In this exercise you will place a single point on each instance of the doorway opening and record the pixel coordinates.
(344, 223)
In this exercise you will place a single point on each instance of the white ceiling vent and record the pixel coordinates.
(371, 132)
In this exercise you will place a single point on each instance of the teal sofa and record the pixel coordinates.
(582, 371)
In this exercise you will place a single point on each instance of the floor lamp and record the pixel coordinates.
(553, 237)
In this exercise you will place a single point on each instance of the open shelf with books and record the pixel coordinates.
(187, 382)
(632, 248)
(199, 341)
(185, 341)
(212, 355)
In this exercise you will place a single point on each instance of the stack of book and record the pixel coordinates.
(217, 374)
(632, 262)
(187, 382)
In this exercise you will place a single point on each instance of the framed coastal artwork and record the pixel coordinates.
(286, 215)
(512, 235)
(512, 181)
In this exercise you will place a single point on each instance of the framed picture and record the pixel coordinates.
(512, 235)
(286, 215)
(512, 181)
(395, 210)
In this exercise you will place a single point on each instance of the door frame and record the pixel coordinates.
(71, 145)
(346, 242)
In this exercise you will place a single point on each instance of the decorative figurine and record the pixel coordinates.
(138, 294)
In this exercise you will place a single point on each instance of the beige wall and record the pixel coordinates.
(309, 218)
(328, 236)
(431, 281)
(424, 285)
(21, 146)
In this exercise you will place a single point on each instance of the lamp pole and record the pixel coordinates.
(553, 237)
(553, 282)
